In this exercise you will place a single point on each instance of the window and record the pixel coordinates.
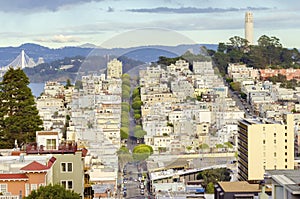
(285, 140)
(285, 166)
(264, 141)
(285, 153)
(66, 167)
(27, 189)
(67, 184)
(33, 187)
(285, 160)
(275, 135)
(285, 134)
(285, 147)
(51, 144)
(274, 141)
(274, 154)
(3, 188)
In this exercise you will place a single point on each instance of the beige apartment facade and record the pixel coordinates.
(114, 69)
(264, 145)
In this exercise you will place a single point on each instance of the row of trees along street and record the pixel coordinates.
(131, 103)
(133, 148)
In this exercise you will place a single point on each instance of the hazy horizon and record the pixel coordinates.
(72, 23)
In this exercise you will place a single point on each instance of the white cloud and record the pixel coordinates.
(30, 6)
(59, 39)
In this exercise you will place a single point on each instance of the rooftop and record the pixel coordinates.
(289, 178)
(241, 186)
(292, 175)
(13, 176)
(35, 166)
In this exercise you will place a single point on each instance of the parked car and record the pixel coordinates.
(142, 186)
(142, 192)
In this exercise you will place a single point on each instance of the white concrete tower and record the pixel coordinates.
(22, 59)
(249, 27)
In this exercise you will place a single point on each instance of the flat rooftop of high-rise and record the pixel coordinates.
(258, 120)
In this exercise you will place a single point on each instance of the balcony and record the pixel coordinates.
(63, 148)
(9, 197)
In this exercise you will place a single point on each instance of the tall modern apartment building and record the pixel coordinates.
(249, 27)
(114, 69)
(264, 145)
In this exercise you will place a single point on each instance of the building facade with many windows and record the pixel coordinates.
(264, 145)
(114, 69)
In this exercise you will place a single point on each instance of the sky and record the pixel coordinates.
(125, 23)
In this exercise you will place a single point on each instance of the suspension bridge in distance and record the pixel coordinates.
(21, 61)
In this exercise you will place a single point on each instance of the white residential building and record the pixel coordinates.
(114, 69)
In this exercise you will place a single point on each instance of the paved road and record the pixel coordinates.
(133, 184)
(241, 103)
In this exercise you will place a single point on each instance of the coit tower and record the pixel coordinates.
(249, 27)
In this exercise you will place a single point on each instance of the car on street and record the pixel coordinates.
(142, 186)
(142, 192)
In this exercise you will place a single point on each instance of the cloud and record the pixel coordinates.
(59, 39)
(191, 10)
(110, 9)
(38, 5)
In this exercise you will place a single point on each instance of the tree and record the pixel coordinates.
(228, 145)
(124, 156)
(126, 82)
(137, 116)
(125, 107)
(125, 76)
(238, 43)
(125, 95)
(125, 87)
(138, 111)
(222, 48)
(68, 84)
(19, 118)
(142, 152)
(140, 134)
(78, 85)
(210, 188)
(214, 175)
(52, 192)
(124, 133)
(203, 146)
(137, 105)
(123, 150)
(136, 92)
(236, 86)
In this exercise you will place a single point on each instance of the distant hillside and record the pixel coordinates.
(141, 53)
(74, 67)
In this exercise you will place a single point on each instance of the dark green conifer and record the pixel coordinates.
(19, 119)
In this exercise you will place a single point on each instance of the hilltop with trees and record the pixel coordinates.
(268, 53)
